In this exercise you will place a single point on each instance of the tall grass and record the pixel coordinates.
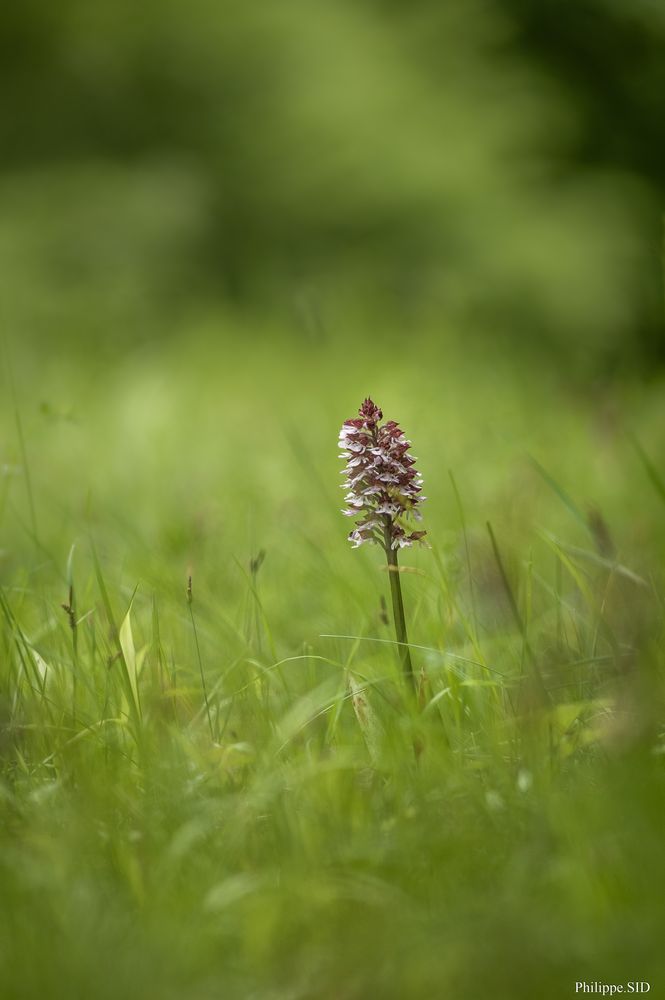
(216, 795)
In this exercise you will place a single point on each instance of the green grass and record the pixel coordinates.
(222, 798)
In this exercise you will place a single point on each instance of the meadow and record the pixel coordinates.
(214, 782)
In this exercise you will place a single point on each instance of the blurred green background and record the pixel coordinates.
(221, 226)
(490, 164)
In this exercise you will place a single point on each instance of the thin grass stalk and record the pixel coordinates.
(199, 658)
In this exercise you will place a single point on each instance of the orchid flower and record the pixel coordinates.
(384, 493)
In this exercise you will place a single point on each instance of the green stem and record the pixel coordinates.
(398, 608)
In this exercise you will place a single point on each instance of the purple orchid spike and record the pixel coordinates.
(384, 490)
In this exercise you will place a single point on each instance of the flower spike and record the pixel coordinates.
(384, 490)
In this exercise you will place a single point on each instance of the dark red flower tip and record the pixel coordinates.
(370, 412)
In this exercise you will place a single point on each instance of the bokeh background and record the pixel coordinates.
(494, 166)
(222, 224)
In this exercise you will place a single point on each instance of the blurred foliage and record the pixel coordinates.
(494, 163)
(295, 204)
(304, 854)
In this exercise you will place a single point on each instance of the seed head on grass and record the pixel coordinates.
(384, 491)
